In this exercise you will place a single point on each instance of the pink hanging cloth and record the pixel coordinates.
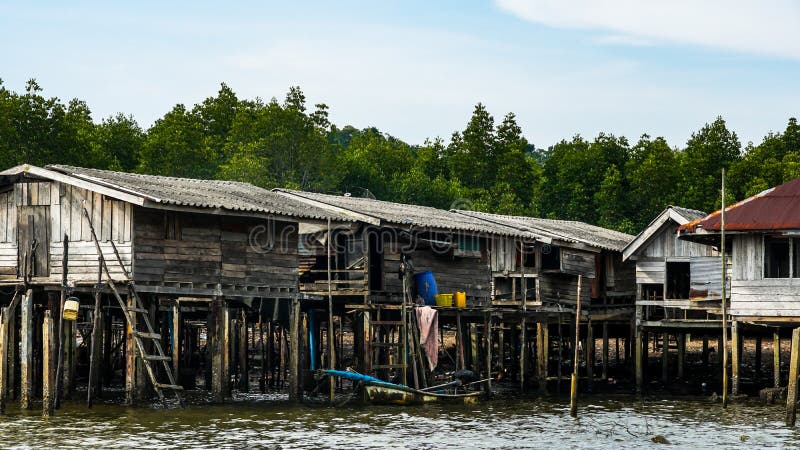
(428, 323)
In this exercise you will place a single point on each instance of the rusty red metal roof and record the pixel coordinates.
(777, 208)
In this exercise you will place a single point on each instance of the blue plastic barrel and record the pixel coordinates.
(426, 287)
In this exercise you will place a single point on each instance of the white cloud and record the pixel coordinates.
(770, 27)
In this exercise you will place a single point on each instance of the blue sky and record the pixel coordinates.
(415, 69)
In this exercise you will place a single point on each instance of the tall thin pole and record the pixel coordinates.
(573, 391)
(724, 308)
(331, 340)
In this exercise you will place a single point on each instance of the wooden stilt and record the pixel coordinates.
(681, 354)
(604, 372)
(757, 365)
(541, 371)
(573, 391)
(704, 355)
(546, 350)
(227, 355)
(794, 365)
(523, 353)
(640, 348)
(3, 359)
(590, 351)
(474, 348)
(244, 378)
(294, 333)
(735, 356)
(664, 358)
(776, 358)
(130, 357)
(48, 371)
(487, 335)
(217, 351)
(459, 342)
(176, 340)
(501, 348)
(26, 351)
(61, 327)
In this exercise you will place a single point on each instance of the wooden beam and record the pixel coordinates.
(3, 358)
(776, 359)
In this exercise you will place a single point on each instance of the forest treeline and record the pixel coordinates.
(488, 166)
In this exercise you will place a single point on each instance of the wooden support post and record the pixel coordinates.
(640, 348)
(776, 358)
(735, 357)
(244, 378)
(367, 360)
(61, 327)
(541, 354)
(590, 351)
(501, 333)
(475, 361)
(664, 358)
(704, 355)
(523, 353)
(294, 358)
(721, 351)
(487, 334)
(130, 356)
(459, 343)
(107, 372)
(176, 340)
(48, 375)
(13, 354)
(573, 391)
(546, 350)
(3, 359)
(604, 357)
(681, 354)
(26, 351)
(757, 365)
(791, 394)
(217, 350)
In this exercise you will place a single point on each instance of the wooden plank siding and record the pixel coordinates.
(452, 273)
(204, 250)
(768, 297)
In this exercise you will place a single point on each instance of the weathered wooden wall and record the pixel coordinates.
(204, 250)
(452, 273)
(563, 288)
(54, 210)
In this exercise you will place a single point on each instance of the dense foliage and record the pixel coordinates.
(488, 166)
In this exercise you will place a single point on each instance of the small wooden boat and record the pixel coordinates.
(381, 393)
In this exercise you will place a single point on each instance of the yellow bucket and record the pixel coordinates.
(461, 299)
(71, 310)
(444, 299)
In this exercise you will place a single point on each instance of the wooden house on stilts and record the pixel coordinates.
(168, 273)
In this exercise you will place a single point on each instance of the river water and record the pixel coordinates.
(618, 421)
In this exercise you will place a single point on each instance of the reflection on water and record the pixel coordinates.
(609, 422)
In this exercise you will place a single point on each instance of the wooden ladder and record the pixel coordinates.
(138, 335)
(140, 350)
(384, 328)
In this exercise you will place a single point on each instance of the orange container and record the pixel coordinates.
(461, 299)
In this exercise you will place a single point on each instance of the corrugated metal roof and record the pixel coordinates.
(689, 214)
(404, 214)
(565, 230)
(212, 194)
(773, 209)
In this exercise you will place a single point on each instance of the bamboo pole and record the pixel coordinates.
(573, 391)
